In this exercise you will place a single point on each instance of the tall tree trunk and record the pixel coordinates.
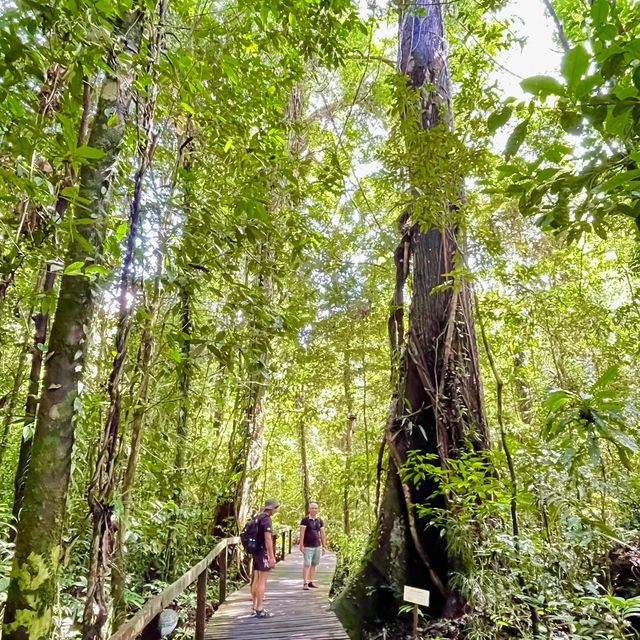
(253, 460)
(437, 408)
(138, 400)
(119, 569)
(347, 444)
(182, 429)
(365, 431)
(304, 467)
(258, 379)
(41, 324)
(245, 447)
(184, 384)
(12, 262)
(104, 478)
(247, 464)
(32, 589)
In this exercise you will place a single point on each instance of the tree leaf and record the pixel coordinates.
(610, 374)
(612, 65)
(89, 153)
(542, 86)
(230, 72)
(188, 108)
(574, 65)
(121, 230)
(499, 118)
(556, 399)
(599, 13)
(74, 268)
(516, 139)
(623, 440)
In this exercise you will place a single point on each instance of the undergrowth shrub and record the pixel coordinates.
(557, 566)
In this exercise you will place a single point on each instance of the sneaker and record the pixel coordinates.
(263, 614)
(305, 586)
(313, 586)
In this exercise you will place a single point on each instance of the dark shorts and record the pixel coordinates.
(261, 561)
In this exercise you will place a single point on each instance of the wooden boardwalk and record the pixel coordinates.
(297, 614)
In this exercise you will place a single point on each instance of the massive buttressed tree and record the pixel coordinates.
(437, 408)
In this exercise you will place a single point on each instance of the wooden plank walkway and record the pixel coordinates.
(297, 614)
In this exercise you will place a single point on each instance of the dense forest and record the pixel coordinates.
(379, 255)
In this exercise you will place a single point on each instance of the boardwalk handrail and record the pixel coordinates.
(138, 623)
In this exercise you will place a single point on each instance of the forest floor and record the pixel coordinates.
(431, 631)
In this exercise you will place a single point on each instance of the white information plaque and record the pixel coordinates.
(416, 596)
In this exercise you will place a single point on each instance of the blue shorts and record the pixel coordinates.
(261, 561)
(312, 556)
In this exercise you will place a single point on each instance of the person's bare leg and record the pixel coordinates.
(305, 573)
(254, 588)
(261, 583)
(312, 572)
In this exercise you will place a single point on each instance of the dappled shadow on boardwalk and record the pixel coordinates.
(297, 614)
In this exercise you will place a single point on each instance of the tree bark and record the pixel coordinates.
(184, 384)
(138, 400)
(304, 467)
(437, 408)
(41, 325)
(103, 481)
(347, 444)
(32, 589)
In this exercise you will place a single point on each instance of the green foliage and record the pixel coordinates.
(278, 225)
(349, 550)
(582, 421)
(584, 187)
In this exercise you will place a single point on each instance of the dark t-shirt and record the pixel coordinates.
(312, 532)
(264, 524)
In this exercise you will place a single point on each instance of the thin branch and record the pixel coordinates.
(566, 45)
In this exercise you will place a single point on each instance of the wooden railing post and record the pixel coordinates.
(223, 577)
(290, 532)
(145, 616)
(201, 603)
(282, 553)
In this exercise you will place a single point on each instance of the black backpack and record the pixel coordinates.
(250, 536)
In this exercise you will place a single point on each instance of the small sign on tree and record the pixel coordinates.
(416, 597)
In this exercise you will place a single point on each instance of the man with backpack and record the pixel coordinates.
(257, 538)
(312, 540)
